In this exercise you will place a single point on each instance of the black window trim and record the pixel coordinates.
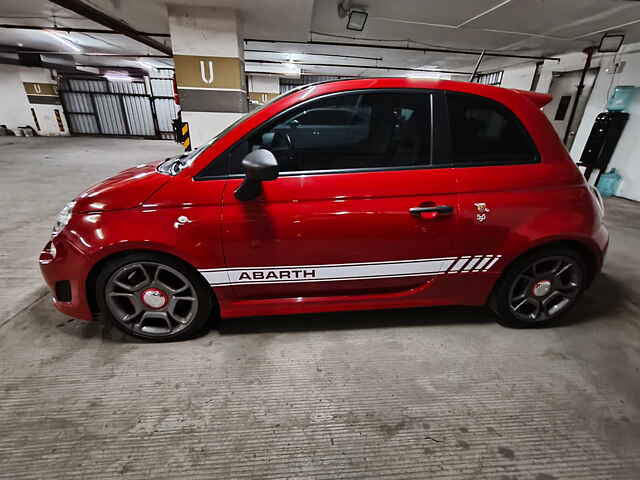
(497, 163)
(435, 136)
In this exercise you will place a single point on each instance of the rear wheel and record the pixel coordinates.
(539, 288)
(153, 296)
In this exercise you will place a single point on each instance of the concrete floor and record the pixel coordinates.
(39, 176)
(424, 393)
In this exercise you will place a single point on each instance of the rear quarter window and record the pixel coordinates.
(485, 132)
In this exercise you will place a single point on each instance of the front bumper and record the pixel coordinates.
(60, 261)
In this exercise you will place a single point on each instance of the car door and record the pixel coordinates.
(376, 215)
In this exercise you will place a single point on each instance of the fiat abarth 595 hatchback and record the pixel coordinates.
(344, 195)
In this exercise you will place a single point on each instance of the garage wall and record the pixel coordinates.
(16, 108)
(626, 158)
(519, 77)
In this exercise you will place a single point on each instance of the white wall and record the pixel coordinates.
(205, 125)
(264, 83)
(16, 109)
(626, 158)
(519, 77)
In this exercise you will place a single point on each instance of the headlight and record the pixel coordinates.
(63, 218)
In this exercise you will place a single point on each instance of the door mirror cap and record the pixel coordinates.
(259, 166)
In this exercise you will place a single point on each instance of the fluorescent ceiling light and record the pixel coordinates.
(118, 78)
(62, 39)
(357, 19)
(611, 43)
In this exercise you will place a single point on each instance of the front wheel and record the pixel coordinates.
(539, 288)
(153, 296)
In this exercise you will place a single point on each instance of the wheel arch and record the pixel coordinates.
(587, 253)
(90, 282)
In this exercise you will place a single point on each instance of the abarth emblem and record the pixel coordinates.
(482, 208)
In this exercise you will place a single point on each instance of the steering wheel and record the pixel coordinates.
(282, 146)
(282, 140)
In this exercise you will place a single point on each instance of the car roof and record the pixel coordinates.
(539, 99)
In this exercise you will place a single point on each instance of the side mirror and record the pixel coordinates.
(259, 166)
(294, 123)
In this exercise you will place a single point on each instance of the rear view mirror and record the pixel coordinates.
(259, 166)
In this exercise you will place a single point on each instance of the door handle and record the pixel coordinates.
(437, 209)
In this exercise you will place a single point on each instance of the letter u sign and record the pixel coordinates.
(203, 74)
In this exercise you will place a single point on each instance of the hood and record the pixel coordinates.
(127, 189)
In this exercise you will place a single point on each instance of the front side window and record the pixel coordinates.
(346, 131)
(485, 132)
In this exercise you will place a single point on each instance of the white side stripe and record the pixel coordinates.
(472, 263)
(484, 261)
(327, 273)
(492, 262)
(459, 264)
(345, 271)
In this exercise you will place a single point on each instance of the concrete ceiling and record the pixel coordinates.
(531, 27)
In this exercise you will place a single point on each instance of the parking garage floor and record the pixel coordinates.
(423, 393)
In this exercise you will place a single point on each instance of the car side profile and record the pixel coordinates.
(345, 195)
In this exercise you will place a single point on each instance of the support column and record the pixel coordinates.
(208, 57)
(263, 89)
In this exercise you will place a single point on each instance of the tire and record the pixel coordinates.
(153, 296)
(539, 288)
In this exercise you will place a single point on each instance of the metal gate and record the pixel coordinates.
(163, 100)
(100, 106)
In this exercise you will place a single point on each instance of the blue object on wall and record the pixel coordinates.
(609, 183)
(621, 98)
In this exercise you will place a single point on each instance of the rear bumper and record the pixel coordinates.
(601, 238)
(61, 262)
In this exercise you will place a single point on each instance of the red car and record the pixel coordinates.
(345, 195)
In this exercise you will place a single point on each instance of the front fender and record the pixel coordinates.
(195, 238)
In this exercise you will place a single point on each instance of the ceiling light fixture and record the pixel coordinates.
(115, 77)
(62, 39)
(357, 19)
(611, 43)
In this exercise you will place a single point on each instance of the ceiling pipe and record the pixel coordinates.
(404, 69)
(119, 26)
(77, 30)
(424, 50)
(475, 70)
(587, 64)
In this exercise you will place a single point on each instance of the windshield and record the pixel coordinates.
(174, 165)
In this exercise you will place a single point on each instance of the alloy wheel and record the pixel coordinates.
(545, 289)
(151, 299)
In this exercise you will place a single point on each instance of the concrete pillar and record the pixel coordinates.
(208, 57)
(263, 89)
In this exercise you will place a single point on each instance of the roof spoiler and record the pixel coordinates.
(539, 99)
